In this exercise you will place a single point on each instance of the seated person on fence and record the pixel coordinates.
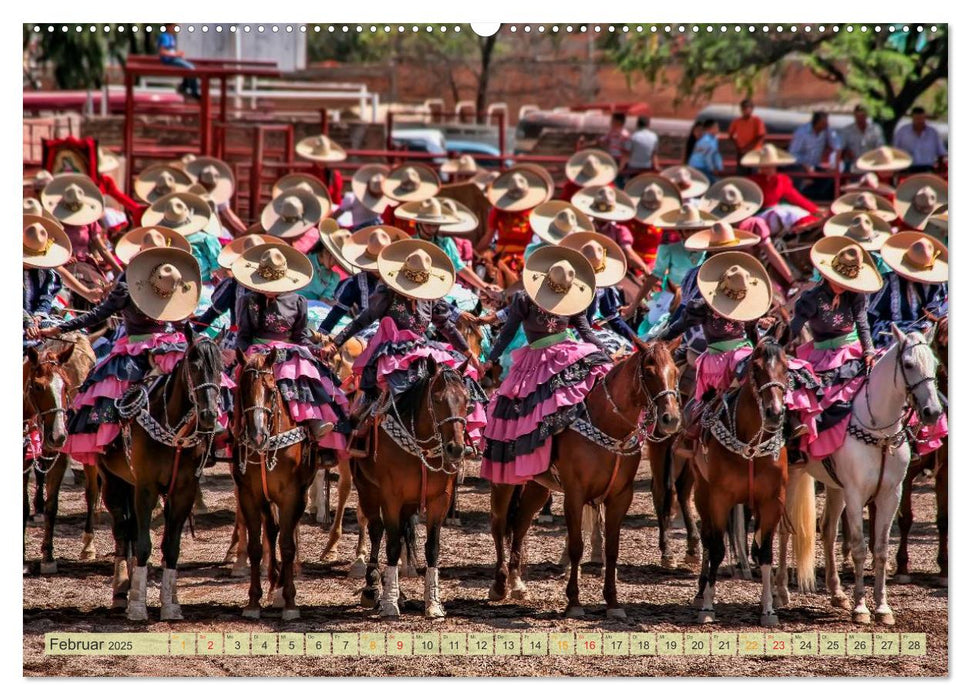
(170, 55)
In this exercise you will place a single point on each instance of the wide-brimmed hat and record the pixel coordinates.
(33, 207)
(364, 246)
(690, 182)
(463, 165)
(183, 212)
(411, 182)
(862, 227)
(214, 175)
(427, 211)
(236, 247)
(869, 182)
(654, 195)
(304, 181)
(733, 199)
(936, 225)
(418, 269)
(320, 149)
(41, 179)
(291, 213)
(333, 237)
(604, 203)
(721, 236)
(519, 189)
(467, 220)
(107, 160)
(916, 257)
(604, 255)
(917, 197)
(555, 220)
(272, 268)
(484, 178)
(767, 156)
(559, 280)
(73, 199)
(145, 237)
(591, 167)
(165, 283)
(156, 181)
(884, 159)
(686, 218)
(870, 202)
(846, 264)
(46, 245)
(367, 186)
(736, 285)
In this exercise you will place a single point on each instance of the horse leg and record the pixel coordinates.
(146, 496)
(832, 515)
(290, 512)
(91, 489)
(177, 509)
(661, 466)
(452, 517)
(437, 509)
(738, 532)
(532, 499)
(392, 541)
(372, 590)
(52, 482)
(780, 598)
(715, 515)
(770, 513)
(886, 505)
(337, 526)
(597, 536)
(38, 497)
(845, 544)
(546, 513)
(271, 532)
(858, 549)
(501, 498)
(409, 531)
(359, 565)
(684, 485)
(905, 520)
(116, 495)
(615, 508)
(586, 532)
(251, 506)
(940, 493)
(573, 510)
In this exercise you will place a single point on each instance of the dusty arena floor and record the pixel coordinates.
(657, 600)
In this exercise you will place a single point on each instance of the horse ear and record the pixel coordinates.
(639, 344)
(432, 366)
(32, 355)
(65, 354)
(240, 357)
(898, 334)
(463, 368)
(930, 333)
(275, 356)
(674, 344)
(780, 331)
(188, 333)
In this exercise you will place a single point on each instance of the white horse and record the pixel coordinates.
(869, 467)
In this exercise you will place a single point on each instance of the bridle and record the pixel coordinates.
(38, 418)
(646, 426)
(910, 388)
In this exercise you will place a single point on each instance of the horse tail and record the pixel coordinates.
(801, 509)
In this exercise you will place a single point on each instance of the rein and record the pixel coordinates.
(36, 420)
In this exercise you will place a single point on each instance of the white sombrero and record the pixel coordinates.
(721, 236)
(767, 156)
(604, 255)
(418, 269)
(364, 246)
(157, 181)
(846, 264)
(736, 286)
(467, 220)
(591, 167)
(303, 181)
(232, 250)
(686, 218)
(183, 212)
(107, 160)
(916, 257)
(320, 149)
(164, 283)
(291, 213)
(936, 225)
(559, 280)
(145, 237)
(519, 189)
(690, 182)
(918, 197)
(214, 175)
(411, 182)
(555, 220)
(428, 211)
(869, 182)
(367, 186)
(73, 199)
(46, 245)
(273, 269)
(862, 227)
(884, 160)
(463, 165)
(33, 207)
(333, 237)
(870, 202)
(733, 199)
(654, 195)
(604, 203)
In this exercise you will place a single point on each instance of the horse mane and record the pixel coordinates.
(209, 355)
(409, 402)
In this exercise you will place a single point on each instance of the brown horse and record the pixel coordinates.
(637, 400)
(743, 460)
(164, 459)
(416, 451)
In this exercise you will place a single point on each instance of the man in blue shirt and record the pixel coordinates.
(170, 55)
(813, 145)
(921, 141)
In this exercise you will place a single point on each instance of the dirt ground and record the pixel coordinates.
(656, 600)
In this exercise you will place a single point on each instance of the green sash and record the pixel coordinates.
(728, 345)
(551, 340)
(837, 342)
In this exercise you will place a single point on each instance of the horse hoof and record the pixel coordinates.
(291, 614)
(88, 554)
(771, 620)
(137, 612)
(840, 601)
(410, 572)
(616, 614)
(171, 612)
(251, 613)
(369, 598)
(692, 561)
(780, 600)
(119, 602)
(668, 562)
(239, 571)
(885, 618)
(358, 569)
(903, 578)
(698, 603)
(48, 567)
(390, 609)
(706, 617)
(37, 519)
(575, 612)
(861, 617)
(495, 594)
(519, 591)
(435, 611)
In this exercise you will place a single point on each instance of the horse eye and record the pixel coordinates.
(909, 364)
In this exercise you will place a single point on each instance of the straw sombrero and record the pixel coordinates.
(33, 207)
(183, 212)
(869, 182)
(41, 179)
(559, 280)
(519, 189)
(885, 159)
(144, 237)
(428, 211)
(846, 264)
(364, 246)
(937, 224)
(542, 172)
(721, 236)
(604, 203)
(733, 199)
(164, 283)
(917, 197)
(73, 199)
(654, 195)
(232, 250)
(736, 286)
(333, 237)
(463, 165)
(870, 202)
(291, 213)
(686, 218)
(484, 178)
(46, 245)
(604, 255)
(418, 269)
(157, 181)
(467, 220)
(411, 182)
(367, 187)
(107, 160)
(273, 269)
(555, 220)
(591, 167)
(303, 181)
(916, 257)
(862, 227)
(320, 149)
(767, 156)
(214, 175)
(690, 182)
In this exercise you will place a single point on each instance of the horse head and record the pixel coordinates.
(917, 364)
(657, 378)
(257, 398)
(201, 374)
(448, 406)
(768, 377)
(45, 393)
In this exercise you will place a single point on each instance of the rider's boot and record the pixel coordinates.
(692, 431)
(319, 429)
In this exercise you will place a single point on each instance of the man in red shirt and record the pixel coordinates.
(747, 132)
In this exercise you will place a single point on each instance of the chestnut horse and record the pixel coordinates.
(742, 459)
(415, 454)
(170, 433)
(636, 400)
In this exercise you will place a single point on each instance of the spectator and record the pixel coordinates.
(643, 148)
(922, 142)
(616, 141)
(813, 145)
(171, 56)
(747, 131)
(697, 129)
(706, 157)
(859, 137)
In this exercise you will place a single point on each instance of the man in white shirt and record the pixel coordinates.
(643, 148)
(922, 142)
(859, 137)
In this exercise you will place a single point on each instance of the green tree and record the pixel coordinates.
(890, 72)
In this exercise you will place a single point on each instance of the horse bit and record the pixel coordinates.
(37, 421)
